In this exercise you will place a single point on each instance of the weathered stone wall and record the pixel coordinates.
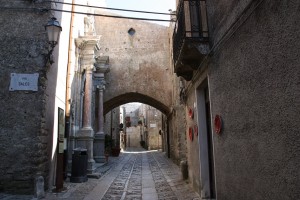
(192, 145)
(23, 134)
(177, 118)
(154, 125)
(177, 134)
(259, 101)
(137, 62)
(133, 136)
(253, 79)
(107, 123)
(154, 139)
(223, 15)
(111, 124)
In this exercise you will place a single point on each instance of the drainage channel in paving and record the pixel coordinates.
(144, 175)
(135, 175)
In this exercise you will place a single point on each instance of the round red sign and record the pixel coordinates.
(218, 124)
(191, 113)
(191, 135)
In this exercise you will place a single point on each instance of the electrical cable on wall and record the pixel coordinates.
(113, 16)
(106, 8)
(83, 13)
(118, 9)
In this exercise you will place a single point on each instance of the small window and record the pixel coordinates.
(131, 31)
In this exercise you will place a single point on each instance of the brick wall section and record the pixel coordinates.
(23, 134)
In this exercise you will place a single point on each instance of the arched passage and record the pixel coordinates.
(141, 98)
(134, 97)
(128, 68)
(139, 63)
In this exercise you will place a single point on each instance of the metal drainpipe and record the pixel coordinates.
(68, 91)
(68, 87)
(62, 159)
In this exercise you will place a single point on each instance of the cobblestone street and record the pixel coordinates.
(135, 174)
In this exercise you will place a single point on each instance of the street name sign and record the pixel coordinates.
(27, 82)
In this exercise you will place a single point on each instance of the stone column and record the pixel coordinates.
(102, 67)
(85, 136)
(100, 109)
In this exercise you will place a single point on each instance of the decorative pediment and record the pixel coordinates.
(87, 46)
(88, 42)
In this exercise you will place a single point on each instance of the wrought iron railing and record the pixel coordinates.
(191, 24)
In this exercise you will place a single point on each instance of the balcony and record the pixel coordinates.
(190, 37)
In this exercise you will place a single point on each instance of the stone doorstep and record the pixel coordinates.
(94, 175)
(4, 196)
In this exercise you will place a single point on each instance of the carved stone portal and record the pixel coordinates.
(85, 136)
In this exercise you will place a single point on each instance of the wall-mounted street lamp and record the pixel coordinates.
(53, 29)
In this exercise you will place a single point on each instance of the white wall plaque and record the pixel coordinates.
(152, 125)
(24, 82)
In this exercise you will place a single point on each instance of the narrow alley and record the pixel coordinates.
(172, 99)
(142, 175)
(135, 174)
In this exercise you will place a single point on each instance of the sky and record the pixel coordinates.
(130, 107)
(144, 5)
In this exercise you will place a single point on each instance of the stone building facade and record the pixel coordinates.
(244, 96)
(29, 117)
(112, 125)
(139, 55)
(133, 137)
(34, 136)
(145, 129)
(153, 130)
(132, 128)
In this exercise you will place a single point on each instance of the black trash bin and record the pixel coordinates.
(79, 165)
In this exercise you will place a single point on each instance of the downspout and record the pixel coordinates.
(68, 92)
(68, 87)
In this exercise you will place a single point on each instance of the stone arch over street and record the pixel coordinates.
(153, 116)
(140, 67)
(135, 97)
(120, 68)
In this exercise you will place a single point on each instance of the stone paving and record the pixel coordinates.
(135, 175)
